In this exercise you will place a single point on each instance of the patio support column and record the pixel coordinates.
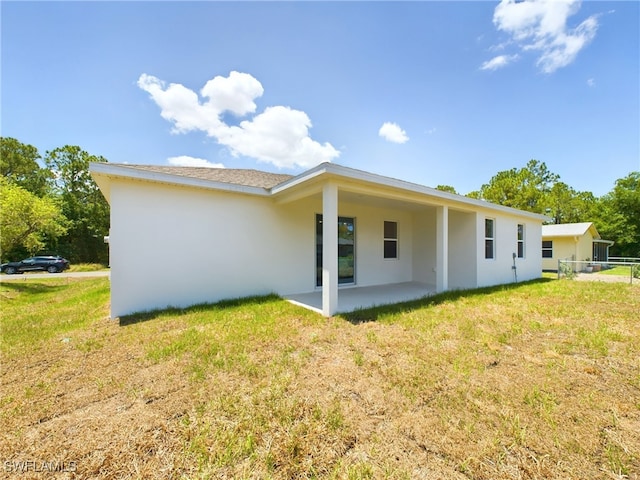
(329, 249)
(442, 249)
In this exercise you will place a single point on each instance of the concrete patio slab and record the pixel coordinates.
(354, 298)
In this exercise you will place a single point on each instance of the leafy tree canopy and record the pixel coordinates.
(27, 222)
(446, 188)
(82, 203)
(534, 188)
(618, 217)
(525, 188)
(19, 165)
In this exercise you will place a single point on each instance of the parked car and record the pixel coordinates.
(50, 264)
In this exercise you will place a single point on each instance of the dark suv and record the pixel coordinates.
(49, 263)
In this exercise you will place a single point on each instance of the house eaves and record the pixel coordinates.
(272, 186)
(103, 172)
(338, 172)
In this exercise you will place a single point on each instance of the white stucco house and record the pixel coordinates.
(184, 235)
(578, 242)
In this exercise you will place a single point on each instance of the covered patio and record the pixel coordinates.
(421, 232)
(354, 298)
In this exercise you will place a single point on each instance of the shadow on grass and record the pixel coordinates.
(355, 317)
(374, 313)
(32, 287)
(134, 318)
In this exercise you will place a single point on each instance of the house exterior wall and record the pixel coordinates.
(577, 248)
(563, 248)
(585, 247)
(499, 269)
(174, 246)
(424, 247)
(371, 266)
(462, 250)
(179, 246)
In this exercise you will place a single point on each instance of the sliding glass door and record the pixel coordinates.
(346, 250)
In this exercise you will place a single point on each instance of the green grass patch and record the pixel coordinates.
(87, 267)
(227, 335)
(534, 380)
(622, 271)
(34, 311)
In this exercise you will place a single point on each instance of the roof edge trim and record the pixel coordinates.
(328, 168)
(132, 173)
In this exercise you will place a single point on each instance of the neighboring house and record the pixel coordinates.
(578, 242)
(181, 236)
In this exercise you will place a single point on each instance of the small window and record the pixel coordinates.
(489, 238)
(520, 240)
(390, 239)
(547, 249)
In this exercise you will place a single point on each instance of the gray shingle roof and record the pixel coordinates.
(246, 177)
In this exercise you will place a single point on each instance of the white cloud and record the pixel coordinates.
(591, 82)
(234, 93)
(498, 62)
(393, 133)
(279, 135)
(187, 161)
(541, 26)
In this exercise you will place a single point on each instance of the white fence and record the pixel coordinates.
(625, 259)
(570, 268)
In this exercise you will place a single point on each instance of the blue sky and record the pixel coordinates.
(429, 92)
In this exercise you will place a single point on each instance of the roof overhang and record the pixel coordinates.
(569, 230)
(104, 173)
(310, 183)
(359, 181)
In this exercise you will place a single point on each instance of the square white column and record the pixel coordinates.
(329, 249)
(442, 249)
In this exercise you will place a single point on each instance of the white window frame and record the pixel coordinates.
(390, 239)
(520, 243)
(491, 238)
(547, 249)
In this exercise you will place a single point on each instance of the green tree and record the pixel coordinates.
(535, 189)
(565, 205)
(19, 165)
(446, 188)
(27, 222)
(525, 188)
(619, 216)
(82, 203)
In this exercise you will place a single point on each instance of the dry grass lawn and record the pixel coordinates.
(539, 380)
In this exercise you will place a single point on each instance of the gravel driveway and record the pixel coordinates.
(600, 277)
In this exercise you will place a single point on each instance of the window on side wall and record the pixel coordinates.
(390, 239)
(547, 249)
(520, 240)
(489, 238)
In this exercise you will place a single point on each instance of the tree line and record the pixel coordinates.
(50, 204)
(534, 188)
